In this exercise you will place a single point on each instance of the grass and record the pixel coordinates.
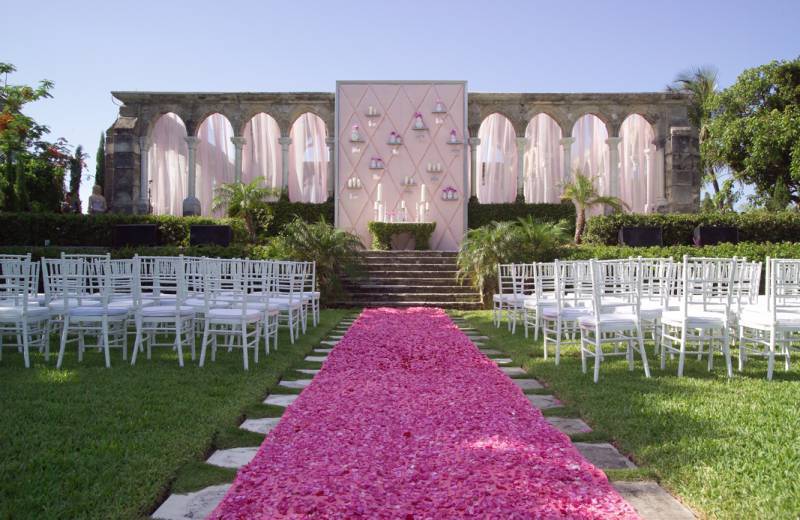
(728, 449)
(91, 442)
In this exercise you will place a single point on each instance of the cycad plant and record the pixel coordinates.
(335, 251)
(524, 240)
(246, 201)
(583, 194)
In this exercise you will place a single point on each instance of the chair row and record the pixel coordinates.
(698, 306)
(161, 301)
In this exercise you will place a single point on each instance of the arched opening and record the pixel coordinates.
(261, 154)
(215, 160)
(589, 154)
(496, 179)
(543, 160)
(308, 160)
(167, 165)
(637, 171)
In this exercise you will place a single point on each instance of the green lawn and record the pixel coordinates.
(91, 442)
(728, 449)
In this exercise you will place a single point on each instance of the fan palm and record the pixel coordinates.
(244, 201)
(583, 194)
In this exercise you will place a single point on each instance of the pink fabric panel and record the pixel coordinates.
(543, 160)
(215, 155)
(590, 154)
(308, 160)
(636, 171)
(167, 165)
(497, 161)
(261, 154)
(395, 105)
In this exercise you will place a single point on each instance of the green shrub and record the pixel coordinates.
(382, 233)
(232, 251)
(482, 214)
(757, 251)
(677, 228)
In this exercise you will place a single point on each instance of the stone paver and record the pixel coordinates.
(300, 383)
(544, 401)
(232, 458)
(323, 350)
(502, 360)
(569, 425)
(195, 505)
(316, 359)
(528, 384)
(330, 343)
(491, 352)
(513, 371)
(280, 399)
(604, 455)
(260, 425)
(309, 371)
(651, 501)
(477, 337)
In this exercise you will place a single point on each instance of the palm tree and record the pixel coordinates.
(701, 82)
(583, 194)
(244, 201)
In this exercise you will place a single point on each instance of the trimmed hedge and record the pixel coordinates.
(757, 251)
(382, 233)
(232, 251)
(481, 214)
(754, 226)
(284, 212)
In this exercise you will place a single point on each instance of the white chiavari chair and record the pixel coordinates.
(704, 315)
(573, 297)
(21, 318)
(261, 287)
(501, 302)
(543, 296)
(614, 314)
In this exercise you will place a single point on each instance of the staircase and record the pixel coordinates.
(409, 279)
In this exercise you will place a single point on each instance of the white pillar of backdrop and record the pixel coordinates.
(497, 161)
(590, 154)
(544, 160)
(261, 155)
(215, 160)
(168, 170)
(637, 172)
(308, 165)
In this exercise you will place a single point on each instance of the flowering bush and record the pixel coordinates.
(407, 419)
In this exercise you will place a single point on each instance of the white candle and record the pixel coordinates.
(402, 204)
(422, 193)
(380, 192)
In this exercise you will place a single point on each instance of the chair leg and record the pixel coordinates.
(204, 344)
(244, 344)
(726, 351)
(741, 348)
(642, 351)
(106, 344)
(558, 340)
(179, 341)
(26, 345)
(682, 355)
(63, 346)
(598, 352)
(584, 340)
(771, 355)
(137, 343)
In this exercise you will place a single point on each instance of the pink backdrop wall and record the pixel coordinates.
(396, 103)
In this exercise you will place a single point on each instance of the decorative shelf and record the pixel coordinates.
(377, 168)
(419, 129)
(376, 114)
(357, 140)
(434, 111)
(457, 141)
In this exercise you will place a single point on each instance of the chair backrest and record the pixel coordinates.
(505, 278)
(747, 282)
(616, 286)
(708, 282)
(523, 279)
(573, 283)
(783, 285)
(15, 276)
(544, 280)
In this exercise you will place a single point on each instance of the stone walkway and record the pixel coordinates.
(650, 500)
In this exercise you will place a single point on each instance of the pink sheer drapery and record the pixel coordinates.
(167, 165)
(308, 164)
(590, 154)
(261, 154)
(636, 171)
(496, 161)
(543, 160)
(215, 156)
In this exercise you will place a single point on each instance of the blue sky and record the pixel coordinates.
(92, 48)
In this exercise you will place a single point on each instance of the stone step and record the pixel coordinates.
(409, 253)
(405, 274)
(281, 399)
(199, 504)
(369, 261)
(233, 457)
(413, 297)
(383, 303)
(568, 425)
(604, 455)
(394, 280)
(410, 288)
(263, 426)
(651, 501)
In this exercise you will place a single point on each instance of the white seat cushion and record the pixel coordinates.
(166, 311)
(650, 310)
(200, 302)
(696, 319)
(97, 311)
(58, 304)
(312, 294)
(762, 318)
(612, 320)
(567, 313)
(234, 314)
(128, 303)
(11, 312)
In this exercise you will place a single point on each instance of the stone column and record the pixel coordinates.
(285, 142)
(330, 142)
(522, 145)
(238, 145)
(191, 205)
(143, 205)
(681, 169)
(473, 162)
(566, 148)
(613, 166)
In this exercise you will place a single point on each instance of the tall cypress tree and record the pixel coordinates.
(100, 163)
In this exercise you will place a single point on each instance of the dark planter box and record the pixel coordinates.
(711, 235)
(135, 235)
(202, 234)
(640, 236)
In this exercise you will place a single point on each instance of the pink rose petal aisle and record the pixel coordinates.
(407, 419)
